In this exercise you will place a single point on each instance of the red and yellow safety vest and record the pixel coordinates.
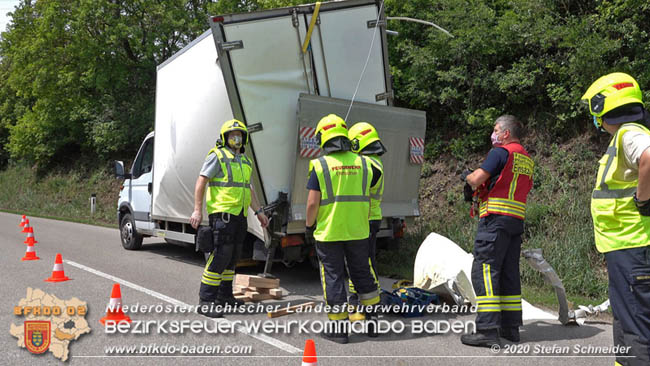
(508, 196)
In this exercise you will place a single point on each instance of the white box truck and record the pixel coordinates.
(259, 68)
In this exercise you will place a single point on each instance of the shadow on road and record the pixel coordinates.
(301, 279)
(542, 331)
(180, 253)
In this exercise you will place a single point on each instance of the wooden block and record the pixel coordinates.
(261, 290)
(242, 297)
(276, 293)
(256, 281)
(290, 309)
(256, 296)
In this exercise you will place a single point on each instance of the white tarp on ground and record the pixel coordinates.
(441, 266)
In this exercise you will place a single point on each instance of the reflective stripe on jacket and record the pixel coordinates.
(617, 222)
(230, 191)
(508, 196)
(376, 192)
(344, 178)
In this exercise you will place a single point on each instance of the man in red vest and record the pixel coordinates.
(502, 184)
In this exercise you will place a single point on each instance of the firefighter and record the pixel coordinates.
(338, 207)
(502, 183)
(365, 141)
(227, 172)
(620, 209)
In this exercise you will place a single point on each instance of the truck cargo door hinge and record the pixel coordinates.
(383, 96)
(373, 22)
(233, 45)
(256, 127)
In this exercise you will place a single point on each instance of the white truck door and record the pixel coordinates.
(341, 45)
(267, 70)
(269, 75)
(141, 186)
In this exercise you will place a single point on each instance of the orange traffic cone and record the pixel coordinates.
(30, 253)
(114, 312)
(22, 221)
(30, 237)
(26, 226)
(309, 355)
(58, 275)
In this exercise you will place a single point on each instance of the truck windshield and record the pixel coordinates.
(144, 161)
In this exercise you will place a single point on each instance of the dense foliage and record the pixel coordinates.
(77, 77)
(532, 58)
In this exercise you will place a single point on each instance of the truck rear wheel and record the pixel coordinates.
(131, 240)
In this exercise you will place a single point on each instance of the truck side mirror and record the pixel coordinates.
(119, 170)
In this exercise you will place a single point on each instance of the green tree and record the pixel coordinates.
(78, 76)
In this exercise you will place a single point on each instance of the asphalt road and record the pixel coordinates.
(163, 274)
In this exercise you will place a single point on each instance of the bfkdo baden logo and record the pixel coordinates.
(37, 335)
(49, 323)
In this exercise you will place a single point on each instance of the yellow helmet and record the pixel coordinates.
(234, 125)
(361, 135)
(329, 127)
(610, 92)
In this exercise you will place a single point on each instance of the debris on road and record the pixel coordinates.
(443, 268)
(566, 316)
(255, 288)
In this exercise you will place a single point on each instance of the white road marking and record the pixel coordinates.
(264, 338)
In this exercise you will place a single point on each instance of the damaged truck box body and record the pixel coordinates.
(279, 73)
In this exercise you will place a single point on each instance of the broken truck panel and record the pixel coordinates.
(444, 268)
(266, 70)
(537, 261)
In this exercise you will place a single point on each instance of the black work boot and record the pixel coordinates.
(353, 299)
(208, 308)
(336, 331)
(510, 333)
(482, 338)
(225, 296)
(371, 320)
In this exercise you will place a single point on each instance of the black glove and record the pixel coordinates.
(468, 192)
(464, 175)
(309, 234)
(642, 206)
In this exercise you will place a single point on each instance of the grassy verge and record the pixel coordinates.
(60, 195)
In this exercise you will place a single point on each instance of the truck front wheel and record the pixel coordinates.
(131, 240)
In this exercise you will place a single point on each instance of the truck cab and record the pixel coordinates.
(134, 203)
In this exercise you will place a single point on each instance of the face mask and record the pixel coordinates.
(598, 125)
(495, 139)
(235, 142)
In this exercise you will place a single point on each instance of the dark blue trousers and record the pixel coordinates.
(629, 296)
(495, 272)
